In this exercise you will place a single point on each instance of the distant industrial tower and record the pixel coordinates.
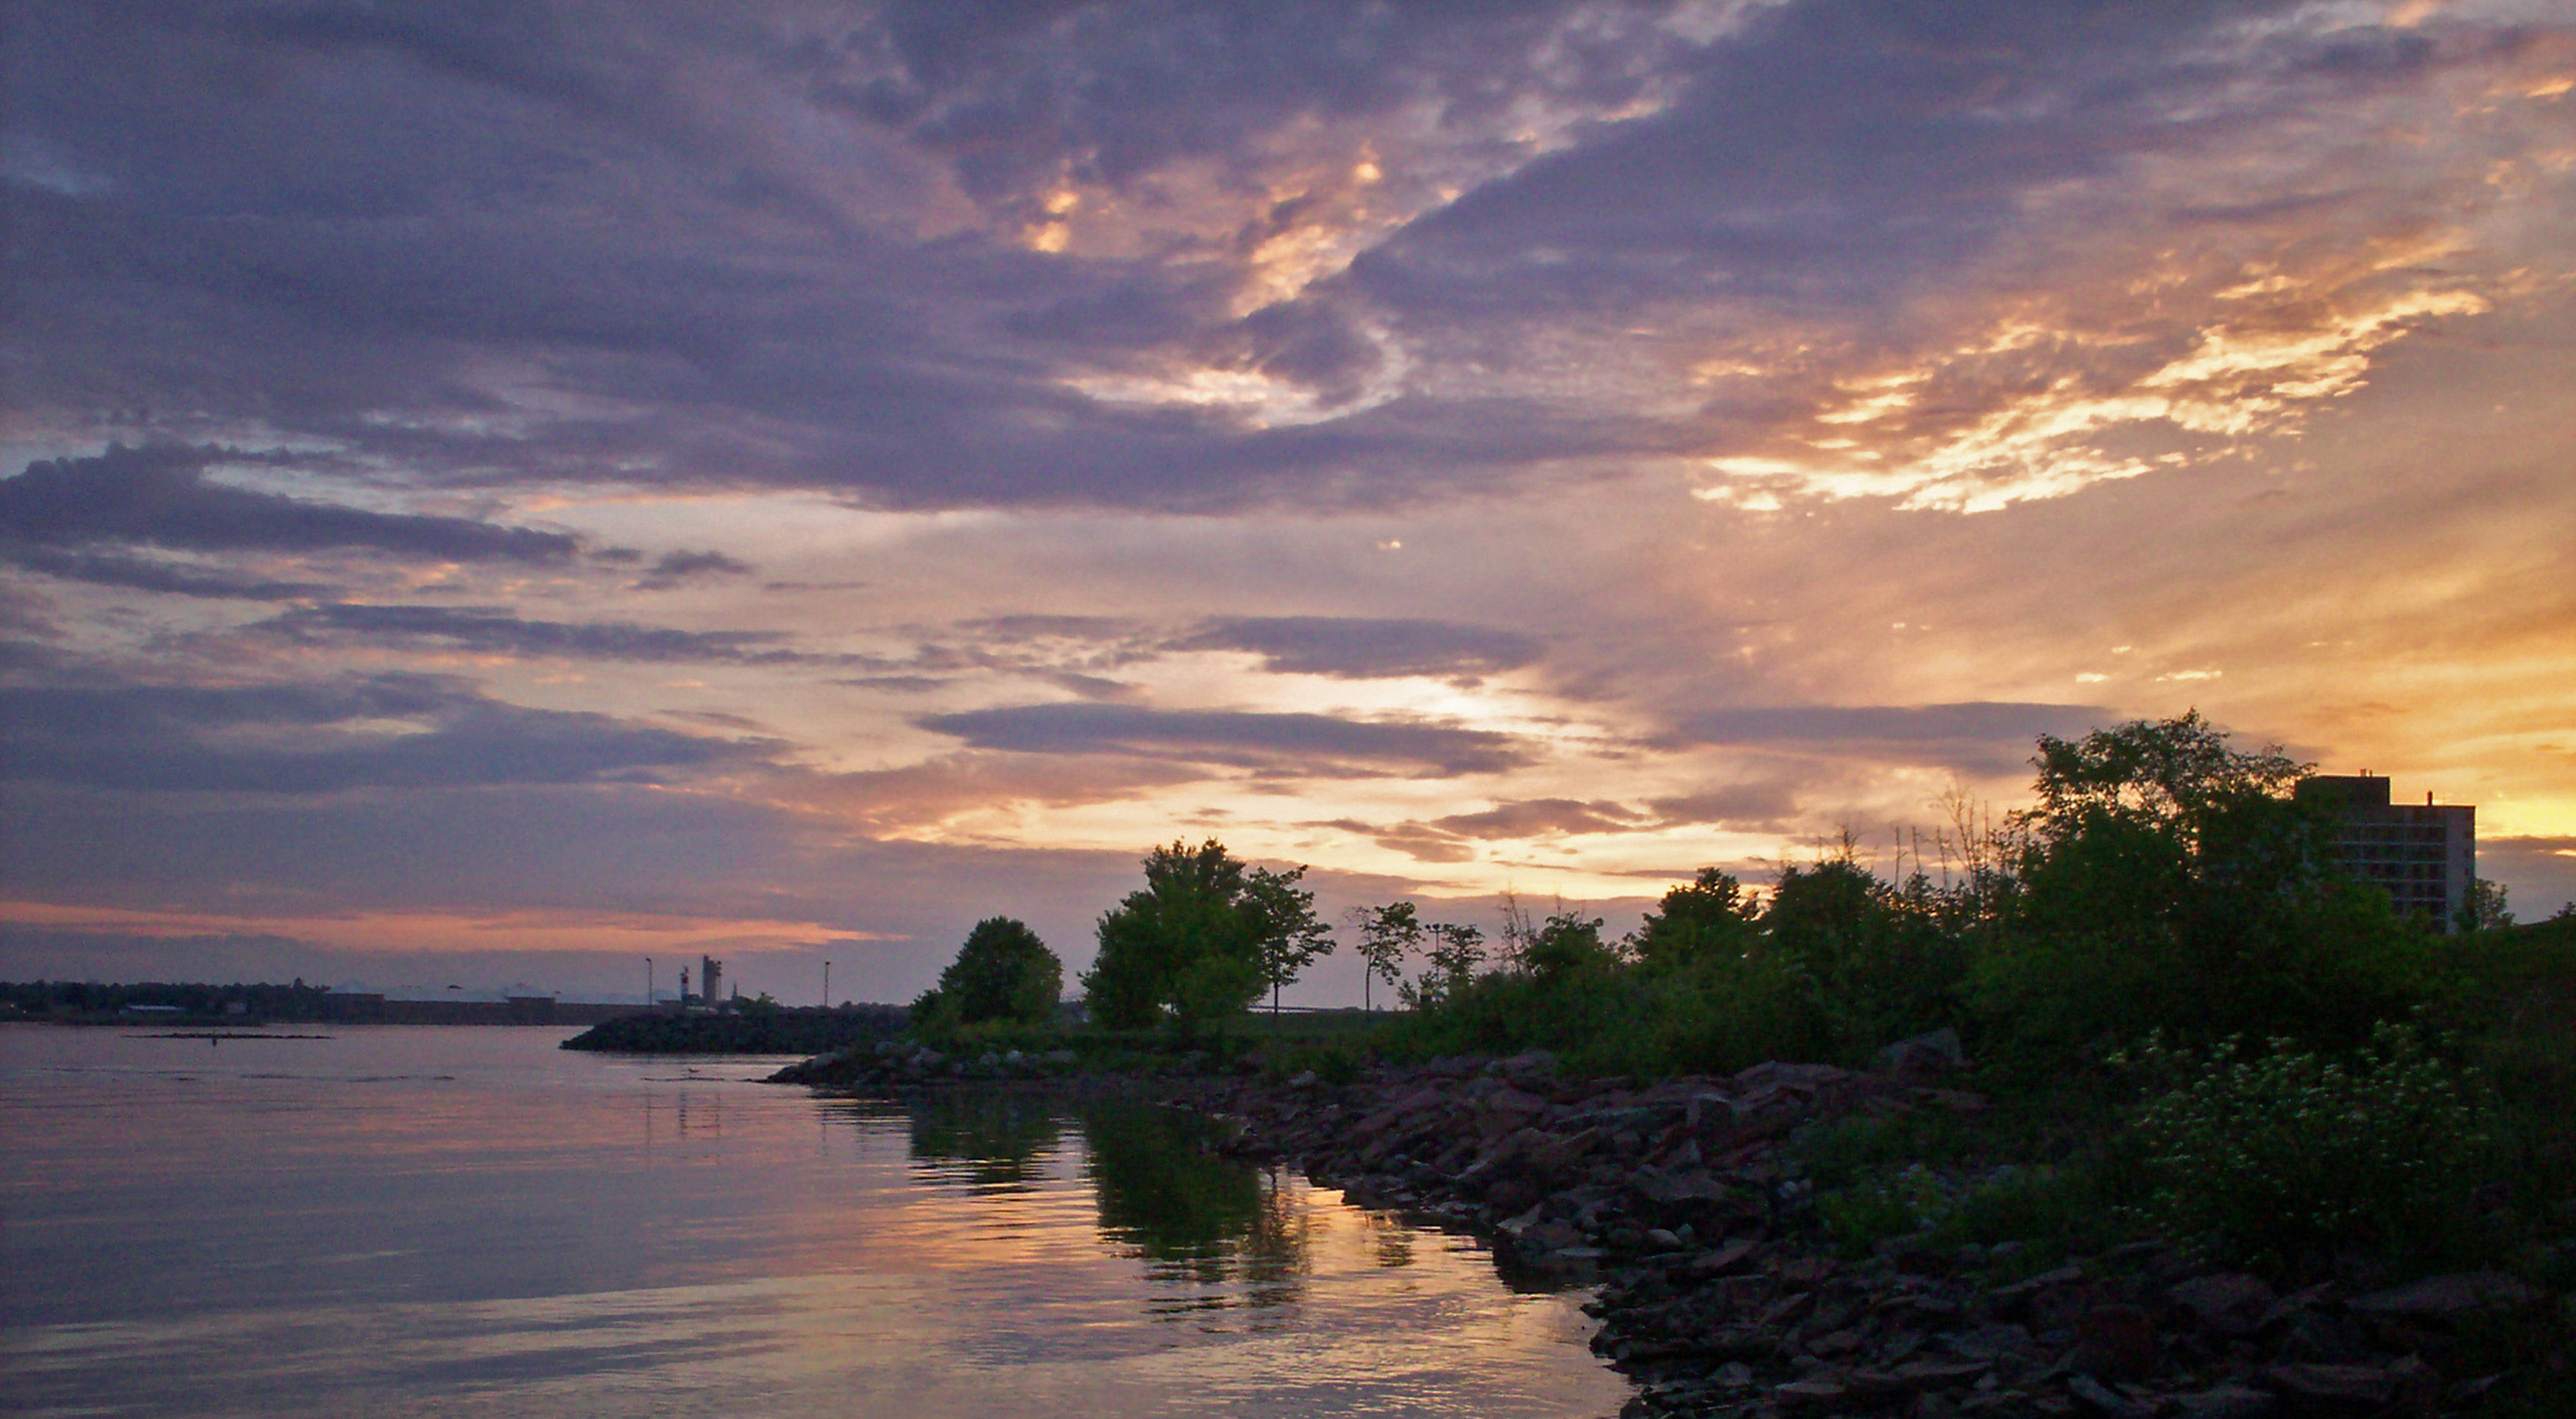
(2424, 856)
(710, 977)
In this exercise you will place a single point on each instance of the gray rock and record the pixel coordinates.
(1812, 1396)
(2228, 1401)
(2437, 1297)
(1936, 1052)
(2333, 1388)
(2102, 1399)
(2230, 1303)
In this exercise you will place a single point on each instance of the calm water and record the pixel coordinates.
(469, 1221)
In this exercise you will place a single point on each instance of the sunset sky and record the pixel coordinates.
(497, 491)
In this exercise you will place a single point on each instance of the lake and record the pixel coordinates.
(466, 1221)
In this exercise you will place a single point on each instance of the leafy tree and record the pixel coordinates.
(1201, 939)
(1285, 928)
(1456, 951)
(1877, 963)
(2171, 776)
(1562, 945)
(2168, 880)
(1003, 972)
(1387, 935)
(1710, 917)
(2485, 910)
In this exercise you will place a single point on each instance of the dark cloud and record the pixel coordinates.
(148, 574)
(696, 294)
(1540, 817)
(1452, 839)
(489, 631)
(1745, 807)
(385, 732)
(1095, 687)
(159, 495)
(1069, 652)
(1360, 648)
(1423, 843)
(679, 568)
(1293, 744)
(1828, 153)
(1979, 721)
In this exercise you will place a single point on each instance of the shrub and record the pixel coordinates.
(1896, 1205)
(1712, 1015)
(2280, 1160)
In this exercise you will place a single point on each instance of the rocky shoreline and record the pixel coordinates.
(1721, 1294)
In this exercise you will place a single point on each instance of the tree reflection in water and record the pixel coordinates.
(990, 1140)
(1235, 1231)
(1390, 1239)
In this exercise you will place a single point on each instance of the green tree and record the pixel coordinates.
(2169, 880)
(2174, 777)
(1456, 951)
(1003, 972)
(1710, 917)
(1564, 944)
(1285, 928)
(1387, 935)
(1201, 939)
(1877, 963)
(2486, 909)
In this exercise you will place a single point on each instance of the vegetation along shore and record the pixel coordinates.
(2129, 1104)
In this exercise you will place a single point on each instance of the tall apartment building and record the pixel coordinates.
(2425, 855)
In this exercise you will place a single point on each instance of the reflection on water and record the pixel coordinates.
(1197, 1219)
(467, 1221)
(992, 1140)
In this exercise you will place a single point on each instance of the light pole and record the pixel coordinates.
(648, 982)
(827, 982)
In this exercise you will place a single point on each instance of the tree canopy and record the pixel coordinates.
(1003, 972)
(1201, 939)
(2166, 879)
(1387, 935)
(1709, 916)
(2168, 776)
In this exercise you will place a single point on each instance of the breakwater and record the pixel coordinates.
(806, 1032)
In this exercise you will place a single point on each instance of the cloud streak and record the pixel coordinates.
(160, 496)
(1360, 648)
(1306, 744)
(490, 631)
(383, 733)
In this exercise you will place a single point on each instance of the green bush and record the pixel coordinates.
(1711, 1015)
(2279, 1160)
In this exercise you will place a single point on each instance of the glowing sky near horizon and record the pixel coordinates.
(498, 491)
